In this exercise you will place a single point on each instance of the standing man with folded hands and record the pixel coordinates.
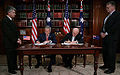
(10, 39)
(110, 34)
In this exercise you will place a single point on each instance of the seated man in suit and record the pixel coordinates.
(46, 37)
(72, 37)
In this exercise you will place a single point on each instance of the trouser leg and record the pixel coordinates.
(52, 60)
(38, 58)
(112, 55)
(70, 57)
(105, 52)
(11, 59)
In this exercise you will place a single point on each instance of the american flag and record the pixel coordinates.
(34, 24)
(66, 26)
(48, 15)
(81, 20)
(26, 37)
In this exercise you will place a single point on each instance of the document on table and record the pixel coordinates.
(72, 43)
(39, 44)
(44, 44)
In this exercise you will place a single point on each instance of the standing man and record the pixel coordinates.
(46, 37)
(10, 39)
(110, 34)
(72, 38)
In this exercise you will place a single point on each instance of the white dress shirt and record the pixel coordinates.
(9, 17)
(106, 20)
(73, 38)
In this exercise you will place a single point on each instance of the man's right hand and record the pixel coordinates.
(102, 35)
(68, 41)
(46, 42)
(37, 42)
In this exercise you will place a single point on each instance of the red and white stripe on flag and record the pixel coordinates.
(66, 25)
(34, 30)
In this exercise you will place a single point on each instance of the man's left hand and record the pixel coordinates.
(74, 42)
(19, 41)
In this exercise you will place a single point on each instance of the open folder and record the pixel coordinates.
(44, 44)
(72, 43)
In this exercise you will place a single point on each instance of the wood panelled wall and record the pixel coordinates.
(99, 13)
(1, 16)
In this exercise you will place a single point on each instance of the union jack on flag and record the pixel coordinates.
(48, 15)
(81, 20)
(34, 24)
(96, 37)
(66, 26)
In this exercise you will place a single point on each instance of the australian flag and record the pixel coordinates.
(48, 15)
(96, 37)
(81, 20)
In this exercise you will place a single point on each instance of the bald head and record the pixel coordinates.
(75, 31)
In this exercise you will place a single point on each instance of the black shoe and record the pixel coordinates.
(70, 66)
(54, 62)
(12, 72)
(109, 71)
(103, 67)
(37, 65)
(66, 66)
(16, 68)
(118, 62)
(49, 70)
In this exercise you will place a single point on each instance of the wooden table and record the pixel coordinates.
(57, 49)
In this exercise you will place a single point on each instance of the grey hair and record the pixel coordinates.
(112, 3)
(9, 9)
(48, 27)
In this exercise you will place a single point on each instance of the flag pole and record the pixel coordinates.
(81, 20)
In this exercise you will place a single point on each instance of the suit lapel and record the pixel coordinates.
(111, 16)
(109, 20)
(70, 38)
(11, 24)
(49, 37)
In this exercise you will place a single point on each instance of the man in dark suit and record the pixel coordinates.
(46, 37)
(10, 39)
(71, 38)
(110, 34)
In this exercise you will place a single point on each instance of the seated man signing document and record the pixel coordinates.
(46, 38)
(72, 38)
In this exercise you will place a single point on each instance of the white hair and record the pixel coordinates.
(9, 9)
(76, 29)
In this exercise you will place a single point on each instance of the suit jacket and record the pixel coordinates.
(112, 26)
(10, 34)
(69, 37)
(42, 37)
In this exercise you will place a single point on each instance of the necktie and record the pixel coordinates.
(46, 37)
